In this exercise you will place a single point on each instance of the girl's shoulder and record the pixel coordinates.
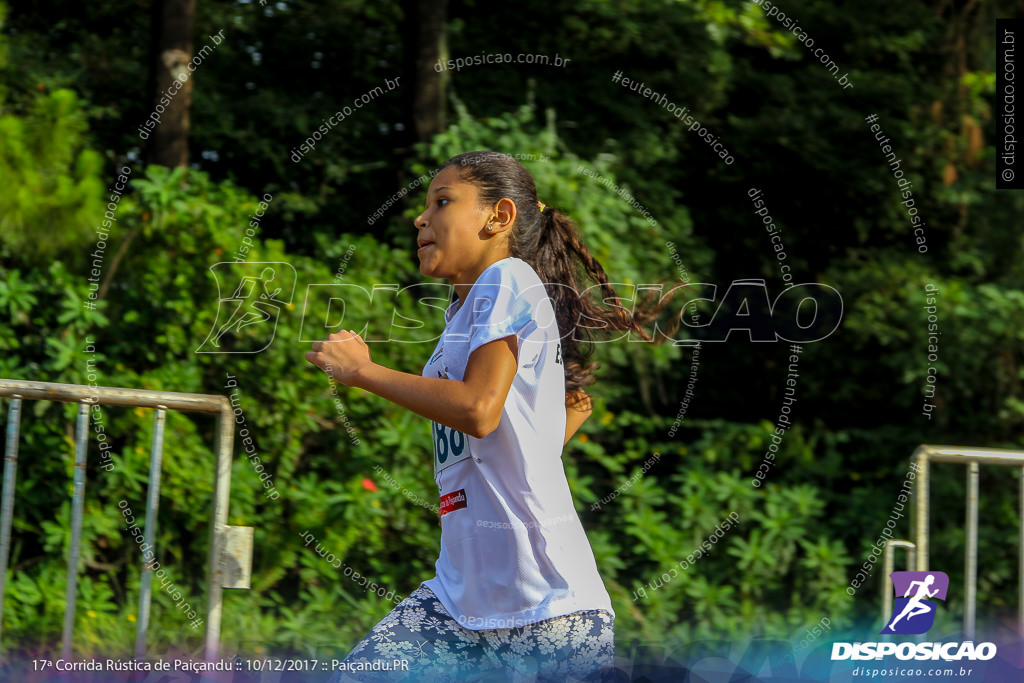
(508, 285)
(510, 272)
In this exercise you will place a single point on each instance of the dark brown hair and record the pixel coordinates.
(551, 243)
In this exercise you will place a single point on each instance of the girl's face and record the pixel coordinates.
(453, 239)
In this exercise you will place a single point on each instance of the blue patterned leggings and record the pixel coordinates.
(420, 640)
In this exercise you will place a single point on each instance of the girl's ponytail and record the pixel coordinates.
(562, 258)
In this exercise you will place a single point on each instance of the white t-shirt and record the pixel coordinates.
(513, 550)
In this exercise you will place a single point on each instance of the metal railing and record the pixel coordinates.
(973, 458)
(230, 557)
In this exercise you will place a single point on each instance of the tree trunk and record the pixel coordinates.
(428, 83)
(171, 95)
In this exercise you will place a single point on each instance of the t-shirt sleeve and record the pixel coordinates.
(500, 308)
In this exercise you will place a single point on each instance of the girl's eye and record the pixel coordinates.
(441, 199)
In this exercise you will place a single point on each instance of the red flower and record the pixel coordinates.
(369, 485)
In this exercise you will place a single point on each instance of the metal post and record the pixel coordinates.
(1020, 561)
(971, 580)
(10, 475)
(888, 566)
(921, 519)
(887, 569)
(77, 501)
(221, 491)
(149, 531)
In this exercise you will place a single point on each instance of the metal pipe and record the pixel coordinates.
(10, 476)
(77, 501)
(149, 531)
(115, 396)
(983, 456)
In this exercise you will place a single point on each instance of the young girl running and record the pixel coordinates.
(517, 590)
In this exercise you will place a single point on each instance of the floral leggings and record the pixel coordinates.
(420, 640)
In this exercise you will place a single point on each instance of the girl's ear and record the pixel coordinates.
(505, 214)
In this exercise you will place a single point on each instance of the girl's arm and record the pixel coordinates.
(473, 406)
(577, 410)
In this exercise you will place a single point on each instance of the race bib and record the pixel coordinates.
(450, 446)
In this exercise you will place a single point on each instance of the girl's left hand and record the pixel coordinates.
(342, 356)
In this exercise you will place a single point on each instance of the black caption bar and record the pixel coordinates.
(1009, 32)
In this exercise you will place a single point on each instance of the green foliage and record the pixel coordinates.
(54, 195)
(174, 227)
(774, 556)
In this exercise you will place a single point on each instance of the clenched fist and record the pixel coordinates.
(343, 355)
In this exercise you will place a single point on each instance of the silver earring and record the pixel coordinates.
(490, 227)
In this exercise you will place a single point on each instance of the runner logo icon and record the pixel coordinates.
(913, 611)
(247, 319)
